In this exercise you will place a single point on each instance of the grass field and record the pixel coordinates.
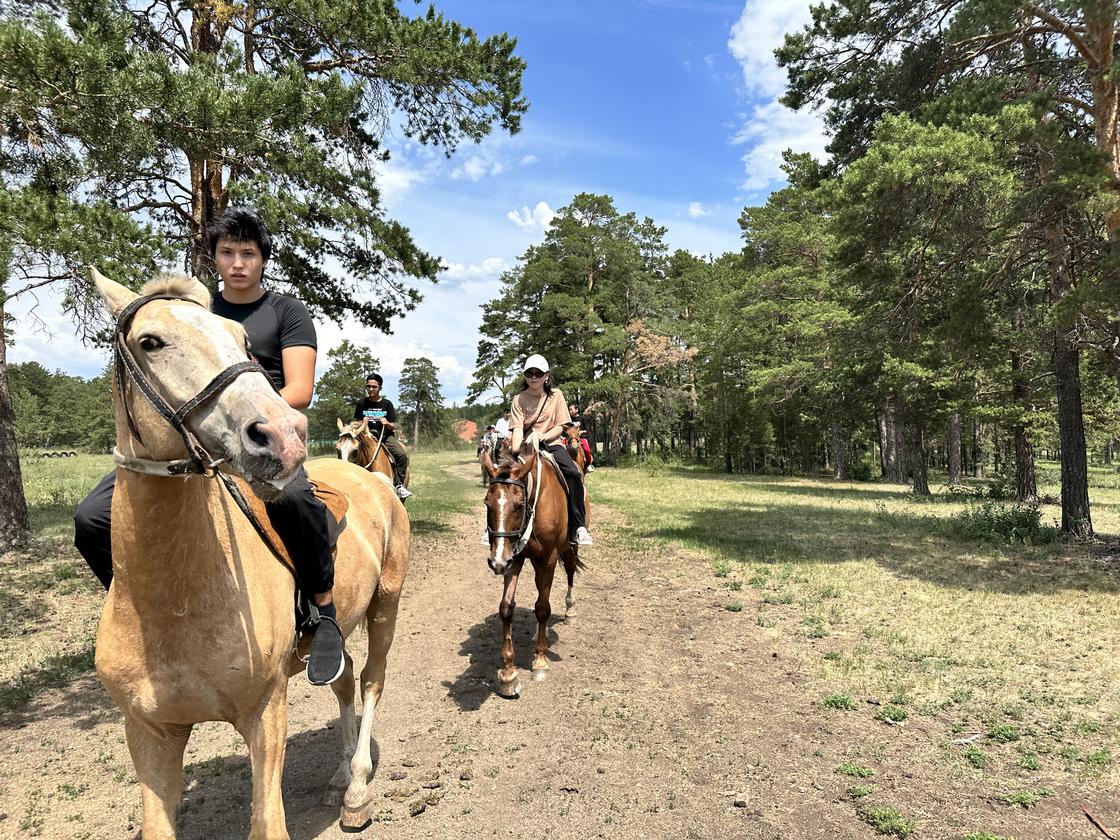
(1010, 650)
(1007, 649)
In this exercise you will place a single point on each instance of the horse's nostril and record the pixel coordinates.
(256, 435)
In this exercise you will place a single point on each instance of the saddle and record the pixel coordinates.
(337, 505)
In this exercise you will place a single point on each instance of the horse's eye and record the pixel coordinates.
(149, 343)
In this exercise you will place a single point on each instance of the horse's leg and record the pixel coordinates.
(343, 689)
(571, 564)
(543, 609)
(266, 731)
(157, 755)
(381, 623)
(508, 683)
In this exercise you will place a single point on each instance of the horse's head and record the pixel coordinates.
(349, 444)
(507, 507)
(185, 375)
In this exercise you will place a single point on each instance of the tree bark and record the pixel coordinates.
(416, 430)
(1076, 516)
(15, 529)
(977, 448)
(839, 456)
(919, 473)
(954, 446)
(1026, 486)
(884, 441)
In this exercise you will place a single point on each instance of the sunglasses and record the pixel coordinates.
(534, 374)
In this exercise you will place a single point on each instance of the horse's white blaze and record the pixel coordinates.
(501, 523)
(346, 446)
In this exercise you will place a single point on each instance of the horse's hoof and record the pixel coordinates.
(510, 691)
(356, 819)
(540, 674)
(332, 797)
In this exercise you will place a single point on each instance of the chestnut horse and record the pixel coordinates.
(358, 445)
(199, 622)
(575, 448)
(527, 518)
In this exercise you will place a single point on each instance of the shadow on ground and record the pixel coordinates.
(219, 792)
(483, 648)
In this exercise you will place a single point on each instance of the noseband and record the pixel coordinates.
(198, 460)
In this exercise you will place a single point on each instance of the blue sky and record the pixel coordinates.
(668, 106)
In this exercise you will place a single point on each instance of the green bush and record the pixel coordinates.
(863, 469)
(998, 522)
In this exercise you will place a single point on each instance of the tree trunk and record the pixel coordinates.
(884, 442)
(1076, 517)
(15, 529)
(919, 473)
(977, 448)
(839, 456)
(416, 430)
(1026, 486)
(954, 446)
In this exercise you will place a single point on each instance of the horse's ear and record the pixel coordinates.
(527, 462)
(116, 296)
(488, 463)
(364, 428)
(341, 428)
(196, 290)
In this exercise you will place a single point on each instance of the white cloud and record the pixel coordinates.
(696, 209)
(490, 268)
(395, 178)
(528, 160)
(540, 217)
(477, 167)
(45, 334)
(770, 127)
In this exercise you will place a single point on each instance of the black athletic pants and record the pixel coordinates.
(577, 517)
(297, 515)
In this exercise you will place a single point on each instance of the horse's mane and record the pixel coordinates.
(177, 285)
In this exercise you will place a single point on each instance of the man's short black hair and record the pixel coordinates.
(506, 411)
(376, 377)
(240, 226)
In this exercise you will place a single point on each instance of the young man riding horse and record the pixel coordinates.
(541, 408)
(282, 339)
(381, 416)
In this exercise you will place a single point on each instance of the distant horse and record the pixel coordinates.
(199, 623)
(527, 518)
(357, 444)
(575, 448)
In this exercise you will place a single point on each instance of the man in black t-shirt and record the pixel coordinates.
(382, 418)
(282, 339)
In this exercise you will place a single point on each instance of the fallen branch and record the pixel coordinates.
(1097, 824)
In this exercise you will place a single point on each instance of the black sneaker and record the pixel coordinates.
(326, 662)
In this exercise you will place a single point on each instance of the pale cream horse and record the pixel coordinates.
(199, 622)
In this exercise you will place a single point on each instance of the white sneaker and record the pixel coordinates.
(583, 536)
(591, 468)
(403, 492)
(485, 539)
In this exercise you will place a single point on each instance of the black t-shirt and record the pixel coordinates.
(273, 322)
(374, 411)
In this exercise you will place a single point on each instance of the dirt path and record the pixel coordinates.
(661, 712)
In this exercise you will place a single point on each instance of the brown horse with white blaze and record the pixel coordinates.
(199, 621)
(527, 518)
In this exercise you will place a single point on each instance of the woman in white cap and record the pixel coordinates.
(541, 408)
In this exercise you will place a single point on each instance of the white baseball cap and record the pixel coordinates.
(536, 361)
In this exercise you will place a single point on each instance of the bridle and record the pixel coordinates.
(198, 460)
(523, 533)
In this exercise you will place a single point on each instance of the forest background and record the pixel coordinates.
(937, 292)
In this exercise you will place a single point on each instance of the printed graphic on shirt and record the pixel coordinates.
(374, 414)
